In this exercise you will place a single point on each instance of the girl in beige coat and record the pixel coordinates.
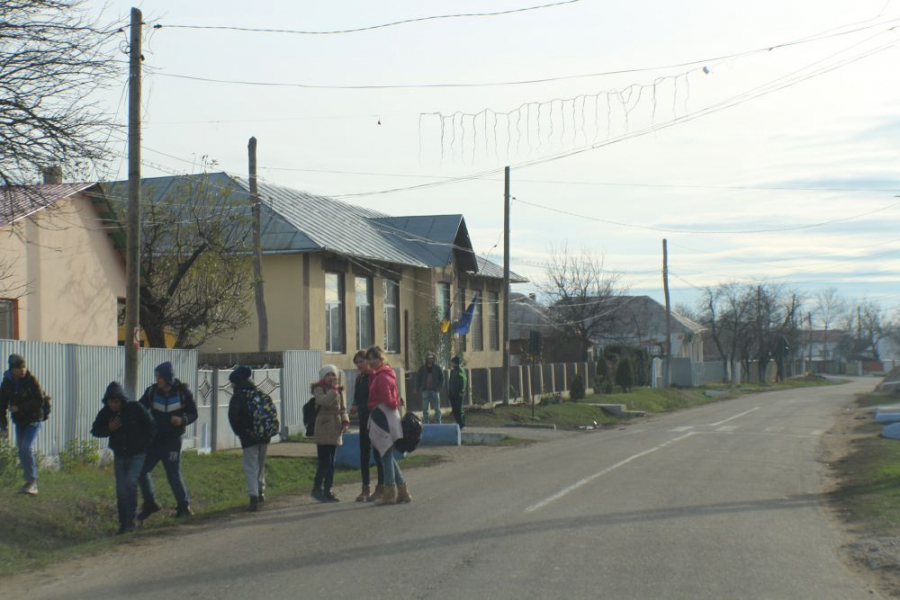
(331, 423)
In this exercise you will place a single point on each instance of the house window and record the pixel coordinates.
(494, 319)
(442, 299)
(391, 316)
(120, 312)
(9, 319)
(477, 327)
(463, 305)
(365, 318)
(334, 312)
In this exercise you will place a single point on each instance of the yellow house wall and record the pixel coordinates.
(65, 273)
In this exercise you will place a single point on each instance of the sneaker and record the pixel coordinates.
(30, 488)
(318, 495)
(254, 503)
(330, 497)
(183, 511)
(148, 509)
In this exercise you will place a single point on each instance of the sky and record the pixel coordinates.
(761, 139)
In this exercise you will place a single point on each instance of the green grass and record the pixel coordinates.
(75, 513)
(567, 415)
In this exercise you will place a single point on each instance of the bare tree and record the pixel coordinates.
(724, 311)
(53, 57)
(584, 297)
(870, 323)
(829, 308)
(196, 280)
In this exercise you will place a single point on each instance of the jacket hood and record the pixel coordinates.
(385, 371)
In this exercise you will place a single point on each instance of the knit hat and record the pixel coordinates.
(430, 355)
(167, 373)
(455, 360)
(326, 370)
(16, 361)
(115, 390)
(240, 374)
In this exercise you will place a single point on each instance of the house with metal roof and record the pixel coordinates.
(340, 277)
(60, 275)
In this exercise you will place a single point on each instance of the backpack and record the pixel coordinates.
(309, 416)
(263, 416)
(412, 433)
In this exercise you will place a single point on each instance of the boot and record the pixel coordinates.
(254, 503)
(330, 497)
(379, 491)
(389, 496)
(183, 511)
(318, 495)
(364, 495)
(148, 509)
(403, 496)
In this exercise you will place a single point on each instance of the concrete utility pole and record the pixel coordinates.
(506, 288)
(666, 367)
(133, 228)
(261, 316)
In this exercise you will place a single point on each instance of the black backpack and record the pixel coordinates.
(310, 410)
(412, 433)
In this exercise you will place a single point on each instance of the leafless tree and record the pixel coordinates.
(829, 306)
(869, 323)
(584, 297)
(53, 58)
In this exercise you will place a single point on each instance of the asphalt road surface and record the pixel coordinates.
(718, 502)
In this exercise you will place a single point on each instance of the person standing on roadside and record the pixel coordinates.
(456, 389)
(172, 406)
(331, 423)
(361, 409)
(22, 396)
(430, 382)
(130, 430)
(384, 425)
(254, 449)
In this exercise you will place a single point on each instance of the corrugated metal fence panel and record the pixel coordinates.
(300, 371)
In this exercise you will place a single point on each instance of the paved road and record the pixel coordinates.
(717, 502)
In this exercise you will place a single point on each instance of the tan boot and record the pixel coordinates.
(364, 496)
(403, 494)
(389, 496)
(379, 491)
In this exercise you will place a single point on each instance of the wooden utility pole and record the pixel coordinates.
(666, 367)
(809, 317)
(261, 316)
(506, 288)
(133, 227)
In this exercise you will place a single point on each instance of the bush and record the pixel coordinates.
(9, 462)
(604, 380)
(576, 390)
(624, 375)
(79, 452)
(639, 358)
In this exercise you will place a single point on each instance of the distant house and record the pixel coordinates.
(60, 275)
(527, 315)
(641, 321)
(340, 277)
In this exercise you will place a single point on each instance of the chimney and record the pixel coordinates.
(52, 174)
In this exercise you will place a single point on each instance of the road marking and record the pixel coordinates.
(680, 429)
(591, 478)
(728, 428)
(733, 418)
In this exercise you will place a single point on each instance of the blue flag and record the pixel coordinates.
(465, 321)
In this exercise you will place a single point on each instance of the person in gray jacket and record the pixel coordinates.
(430, 382)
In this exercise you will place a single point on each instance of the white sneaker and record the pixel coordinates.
(30, 488)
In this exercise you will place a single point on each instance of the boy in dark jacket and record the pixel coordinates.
(22, 396)
(130, 430)
(254, 449)
(456, 389)
(172, 407)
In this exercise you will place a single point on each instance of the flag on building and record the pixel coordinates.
(465, 321)
(445, 323)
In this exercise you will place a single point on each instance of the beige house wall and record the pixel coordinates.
(65, 273)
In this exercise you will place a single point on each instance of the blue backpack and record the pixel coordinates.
(263, 416)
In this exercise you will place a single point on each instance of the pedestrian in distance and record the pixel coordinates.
(172, 407)
(130, 430)
(430, 382)
(456, 389)
(361, 409)
(248, 413)
(384, 425)
(21, 395)
(331, 423)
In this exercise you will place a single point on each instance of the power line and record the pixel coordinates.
(371, 27)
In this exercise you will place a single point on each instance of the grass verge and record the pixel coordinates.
(75, 513)
(567, 415)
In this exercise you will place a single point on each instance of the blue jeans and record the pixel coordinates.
(169, 452)
(392, 473)
(128, 471)
(26, 436)
(431, 398)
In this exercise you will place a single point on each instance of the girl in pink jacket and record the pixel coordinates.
(384, 424)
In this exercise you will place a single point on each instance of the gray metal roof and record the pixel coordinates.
(19, 202)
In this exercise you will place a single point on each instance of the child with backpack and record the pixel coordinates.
(331, 423)
(254, 420)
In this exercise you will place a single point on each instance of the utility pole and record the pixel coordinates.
(506, 288)
(261, 316)
(809, 318)
(133, 227)
(666, 368)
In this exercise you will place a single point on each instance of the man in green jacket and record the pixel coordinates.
(457, 391)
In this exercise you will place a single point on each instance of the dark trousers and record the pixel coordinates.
(128, 470)
(169, 452)
(366, 451)
(325, 470)
(459, 413)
